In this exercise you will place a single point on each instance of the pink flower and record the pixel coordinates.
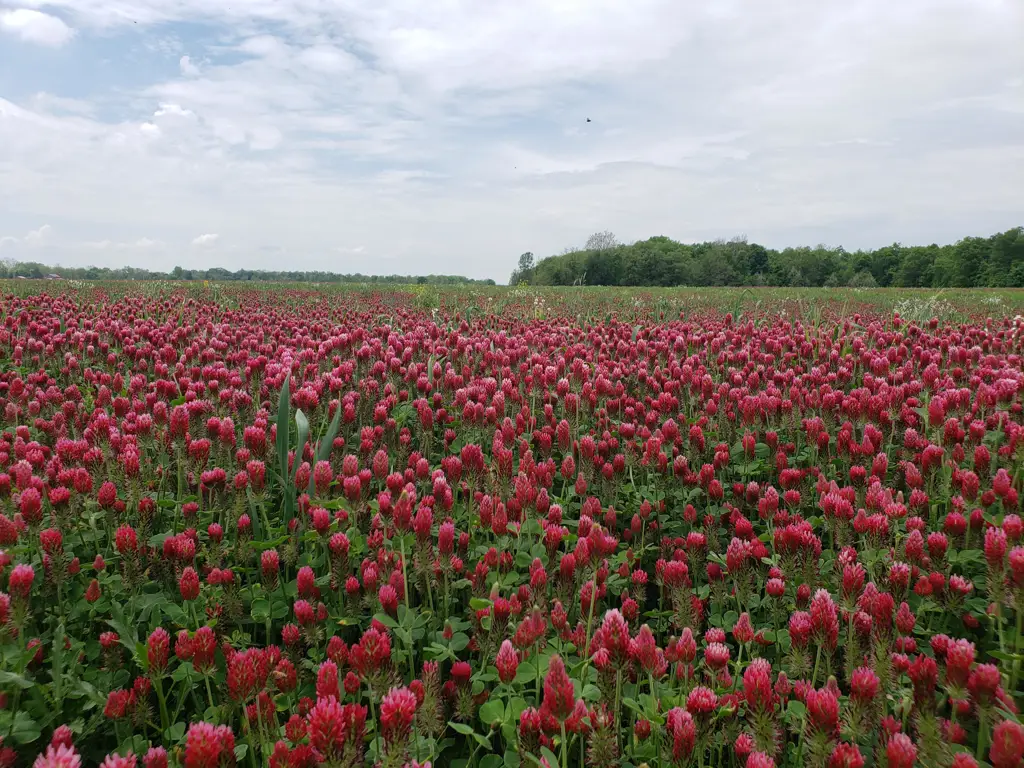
(823, 710)
(156, 757)
(327, 681)
(900, 751)
(757, 685)
(824, 619)
(19, 583)
(1007, 750)
(760, 760)
(863, 685)
(332, 727)
(717, 655)
(397, 710)
(613, 635)
(209, 746)
(158, 648)
(959, 661)
(643, 648)
(846, 756)
(559, 695)
(743, 631)
(682, 732)
(58, 756)
(188, 584)
(701, 701)
(507, 662)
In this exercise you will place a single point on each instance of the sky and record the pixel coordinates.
(448, 137)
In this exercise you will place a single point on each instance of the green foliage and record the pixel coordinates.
(997, 261)
(35, 270)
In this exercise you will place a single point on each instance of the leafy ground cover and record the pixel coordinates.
(297, 527)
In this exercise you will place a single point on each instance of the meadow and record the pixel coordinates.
(298, 525)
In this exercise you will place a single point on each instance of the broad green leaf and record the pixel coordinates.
(24, 729)
(483, 741)
(10, 678)
(526, 673)
(175, 733)
(57, 663)
(326, 445)
(492, 711)
(302, 425)
(260, 610)
(795, 710)
(283, 426)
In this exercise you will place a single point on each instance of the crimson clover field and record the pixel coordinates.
(303, 526)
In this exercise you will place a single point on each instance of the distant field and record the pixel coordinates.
(632, 304)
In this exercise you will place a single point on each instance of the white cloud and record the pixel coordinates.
(188, 68)
(325, 58)
(437, 136)
(39, 236)
(47, 102)
(173, 110)
(36, 27)
(204, 240)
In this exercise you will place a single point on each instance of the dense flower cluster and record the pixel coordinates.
(266, 528)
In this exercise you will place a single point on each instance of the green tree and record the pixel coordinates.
(523, 273)
(1005, 252)
(917, 267)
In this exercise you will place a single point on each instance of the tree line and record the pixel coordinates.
(31, 269)
(996, 261)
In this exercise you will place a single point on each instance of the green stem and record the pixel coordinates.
(430, 595)
(851, 662)
(408, 612)
(999, 618)
(739, 665)
(800, 740)
(640, 556)
(445, 595)
(1016, 646)
(618, 698)
(60, 602)
(979, 750)
(563, 745)
(817, 662)
(590, 621)
(536, 656)
(376, 723)
(182, 696)
(165, 721)
(248, 736)
(209, 693)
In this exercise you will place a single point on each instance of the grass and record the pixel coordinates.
(581, 304)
